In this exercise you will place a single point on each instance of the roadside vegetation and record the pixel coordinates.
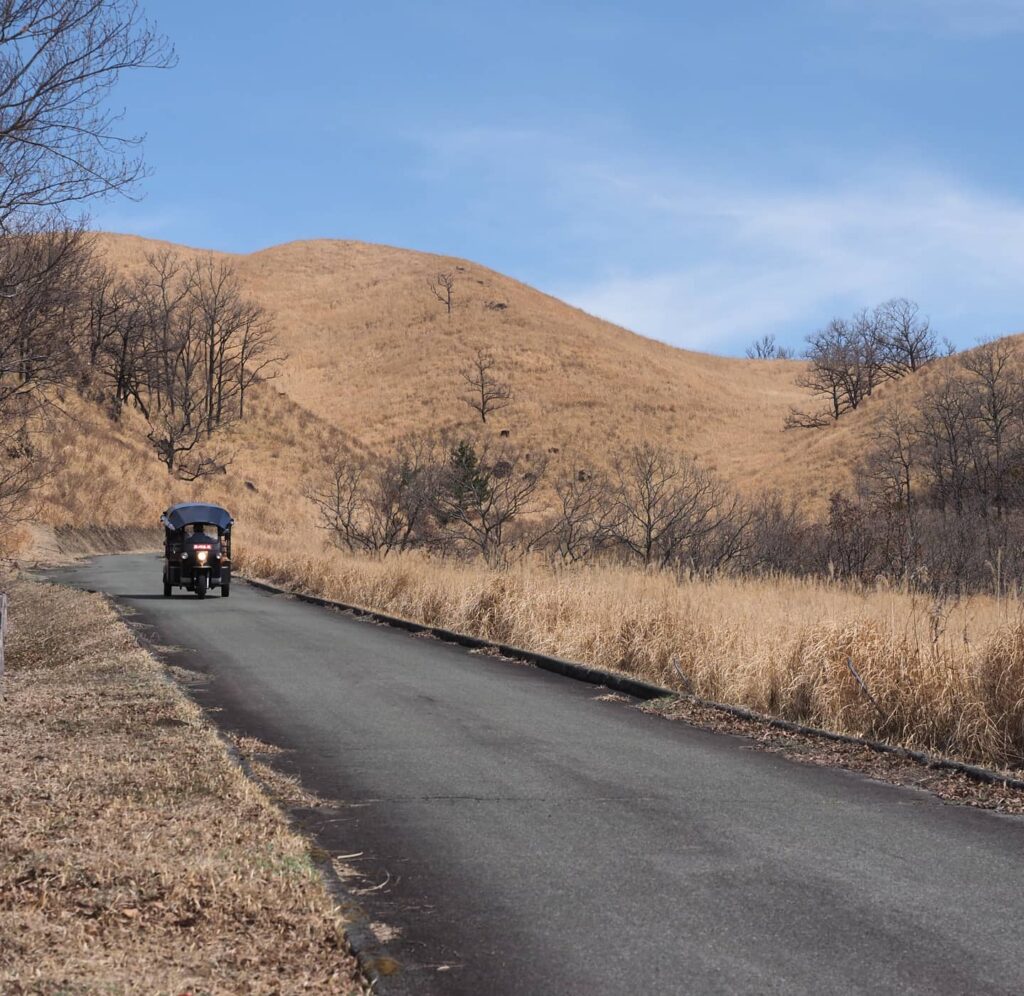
(944, 675)
(137, 856)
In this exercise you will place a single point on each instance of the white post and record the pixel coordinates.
(3, 629)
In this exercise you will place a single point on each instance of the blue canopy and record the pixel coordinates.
(189, 513)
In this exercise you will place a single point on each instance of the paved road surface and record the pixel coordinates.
(535, 840)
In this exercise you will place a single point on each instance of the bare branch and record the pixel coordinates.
(487, 394)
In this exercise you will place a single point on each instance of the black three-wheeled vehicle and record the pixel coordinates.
(197, 548)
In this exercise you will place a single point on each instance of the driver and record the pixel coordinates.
(199, 535)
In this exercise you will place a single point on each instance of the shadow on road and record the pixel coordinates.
(140, 598)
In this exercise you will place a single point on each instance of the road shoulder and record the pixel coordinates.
(137, 855)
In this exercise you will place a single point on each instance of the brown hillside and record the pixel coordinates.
(371, 351)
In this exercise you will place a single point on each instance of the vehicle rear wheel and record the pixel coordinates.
(167, 590)
(225, 590)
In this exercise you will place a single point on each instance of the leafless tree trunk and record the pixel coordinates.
(256, 353)
(442, 286)
(486, 394)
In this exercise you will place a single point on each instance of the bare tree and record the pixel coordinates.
(890, 474)
(238, 339)
(851, 545)
(665, 504)
(903, 337)
(780, 537)
(945, 436)
(184, 344)
(583, 515)
(39, 316)
(994, 383)
(59, 146)
(376, 506)
(843, 369)
(766, 348)
(59, 142)
(442, 286)
(118, 343)
(22, 472)
(41, 307)
(175, 354)
(849, 358)
(486, 394)
(257, 356)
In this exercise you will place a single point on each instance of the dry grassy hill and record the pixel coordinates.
(371, 351)
(372, 355)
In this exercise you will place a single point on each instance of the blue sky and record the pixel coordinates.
(700, 172)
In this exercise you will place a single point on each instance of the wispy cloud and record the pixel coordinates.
(711, 264)
(780, 261)
(957, 17)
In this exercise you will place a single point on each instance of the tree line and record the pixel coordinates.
(458, 497)
(936, 502)
(183, 343)
(940, 491)
(180, 342)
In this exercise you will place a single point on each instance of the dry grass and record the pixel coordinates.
(947, 677)
(136, 857)
(371, 351)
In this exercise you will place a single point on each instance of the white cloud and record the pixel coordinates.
(783, 261)
(711, 264)
(959, 17)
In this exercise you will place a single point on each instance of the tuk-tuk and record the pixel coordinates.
(197, 548)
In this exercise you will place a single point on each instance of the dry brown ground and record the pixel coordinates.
(136, 857)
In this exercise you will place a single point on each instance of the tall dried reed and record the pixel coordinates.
(946, 676)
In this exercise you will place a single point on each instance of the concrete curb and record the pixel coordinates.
(643, 690)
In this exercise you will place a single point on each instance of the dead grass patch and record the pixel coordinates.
(136, 856)
(945, 677)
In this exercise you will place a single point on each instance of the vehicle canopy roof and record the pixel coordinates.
(189, 513)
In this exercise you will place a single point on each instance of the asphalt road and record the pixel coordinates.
(528, 838)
